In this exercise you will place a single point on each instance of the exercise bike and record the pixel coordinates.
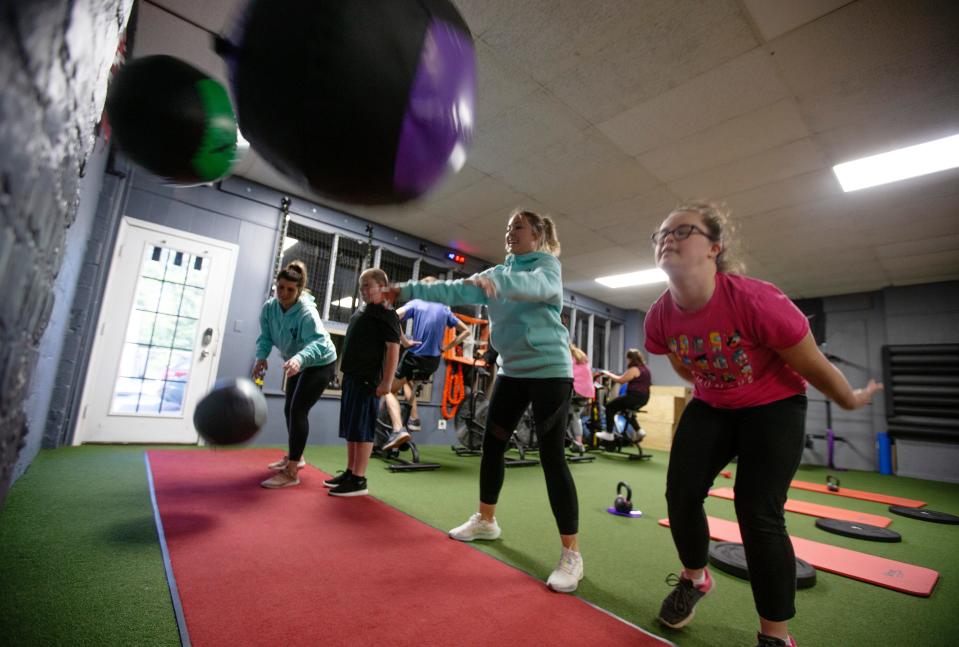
(470, 420)
(384, 427)
(616, 439)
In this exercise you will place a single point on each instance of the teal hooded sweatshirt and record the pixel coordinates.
(298, 332)
(525, 324)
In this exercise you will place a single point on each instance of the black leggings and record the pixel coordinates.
(550, 398)
(623, 403)
(302, 392)
(768, 440)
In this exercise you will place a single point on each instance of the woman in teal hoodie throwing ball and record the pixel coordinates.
(291, 322)
(524, 297)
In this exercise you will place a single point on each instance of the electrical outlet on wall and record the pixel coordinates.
(441, 423)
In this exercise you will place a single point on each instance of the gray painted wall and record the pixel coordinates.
(247, 214)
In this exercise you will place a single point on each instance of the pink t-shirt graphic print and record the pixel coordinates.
(729, 344)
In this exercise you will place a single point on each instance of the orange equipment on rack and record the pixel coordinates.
(469, 352)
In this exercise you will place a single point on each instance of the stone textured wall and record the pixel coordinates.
(55, 58)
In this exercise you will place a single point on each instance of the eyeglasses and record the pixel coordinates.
(681, 232)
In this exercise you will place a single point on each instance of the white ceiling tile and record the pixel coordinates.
(580, 152)
(816, 186)
(547, 38)
(743, 136)
(500, 84)
(482, 15)
(599, 186)
(744, 84)
(930, 245)
(776, 17)
(869, 56)
(166, 34)
(522, 130)
(934, 264)
(644, 210)
(662, 46)
(797, 158)
(475, 201)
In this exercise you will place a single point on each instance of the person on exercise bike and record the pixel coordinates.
(637, 379)
(420, 359)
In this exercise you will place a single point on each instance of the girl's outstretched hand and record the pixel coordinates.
(391, 293)
(484, 283)
(864, 395)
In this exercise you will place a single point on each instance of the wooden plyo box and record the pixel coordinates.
(661, 415)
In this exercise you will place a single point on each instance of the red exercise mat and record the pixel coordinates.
(816, 510)
(297, 567)
(858, 494)
(888, 573)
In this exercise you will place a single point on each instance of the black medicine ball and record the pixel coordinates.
(232, 412)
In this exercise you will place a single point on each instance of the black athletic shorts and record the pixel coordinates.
(417, 367)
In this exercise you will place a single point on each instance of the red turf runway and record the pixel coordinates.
(264, 567)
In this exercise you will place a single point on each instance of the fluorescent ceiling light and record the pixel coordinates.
(633, 278)
(912, 161)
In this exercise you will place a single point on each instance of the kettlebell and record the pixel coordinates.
(623, 505)
(832, 483)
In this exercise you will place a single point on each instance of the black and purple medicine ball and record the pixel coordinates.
(231, 413)
(364, 101)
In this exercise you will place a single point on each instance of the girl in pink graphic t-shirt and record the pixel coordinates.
(748, 351)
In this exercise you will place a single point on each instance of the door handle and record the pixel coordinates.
(207, 337)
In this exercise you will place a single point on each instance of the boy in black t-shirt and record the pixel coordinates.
(371, 351)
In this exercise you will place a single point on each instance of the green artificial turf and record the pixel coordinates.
(80, 563)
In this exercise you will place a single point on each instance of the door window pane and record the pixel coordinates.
(154, 369)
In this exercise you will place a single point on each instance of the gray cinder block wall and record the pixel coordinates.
(55, 58)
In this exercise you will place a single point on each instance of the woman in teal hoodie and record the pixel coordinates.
(291, 322)
(524, 297)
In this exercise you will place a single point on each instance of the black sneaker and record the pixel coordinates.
(396, 439)
(414, 424)
(339, 478)
(353, 486)
(772, 641)
(678, 608)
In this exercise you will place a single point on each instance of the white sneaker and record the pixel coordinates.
(567, 574)
(281, 464)
(476, 528)
(605, 435)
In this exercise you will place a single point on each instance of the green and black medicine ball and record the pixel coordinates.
(173, 120)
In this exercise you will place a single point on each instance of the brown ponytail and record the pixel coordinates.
(295, 272)
(544, 228)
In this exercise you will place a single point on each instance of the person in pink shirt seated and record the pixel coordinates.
(583, 392)
(748, 351)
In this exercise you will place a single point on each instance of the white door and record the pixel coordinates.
(158, 337)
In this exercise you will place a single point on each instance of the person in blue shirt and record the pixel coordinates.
(524, 298)
(420, 360)
(290, 322)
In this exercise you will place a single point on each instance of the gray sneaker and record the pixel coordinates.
(397, 439)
